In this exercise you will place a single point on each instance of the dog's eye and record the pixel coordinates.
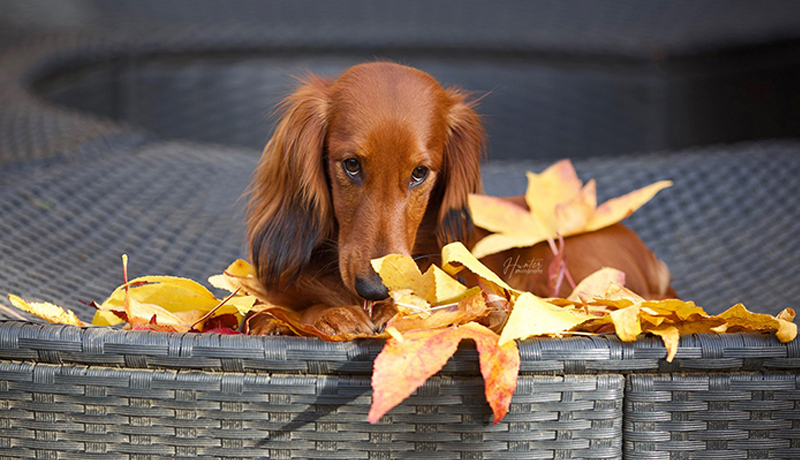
(352, 167)
(419, 174)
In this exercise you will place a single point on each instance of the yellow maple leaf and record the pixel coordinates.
(46, 311)
(468, 309)
(401, 275)
(596, 284)
(627, 323)
(240, 278)
(456, 257)
(171, 294)
(671, 337)
(532, 316)
(557, 204)
(152, 316)
(740, 318)
(631, 315)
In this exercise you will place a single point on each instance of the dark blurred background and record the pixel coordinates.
(560, 78)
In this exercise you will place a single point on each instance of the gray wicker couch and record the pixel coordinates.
(134, 129)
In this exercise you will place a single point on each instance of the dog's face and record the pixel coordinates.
(376, 160)
(385, 149)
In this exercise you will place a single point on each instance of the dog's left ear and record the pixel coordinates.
(463, 151)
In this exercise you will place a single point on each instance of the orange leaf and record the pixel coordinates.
(404, 365)
(294, 321)
(467, 310)
(499, 367)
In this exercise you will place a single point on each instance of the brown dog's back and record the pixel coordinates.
(616, 246)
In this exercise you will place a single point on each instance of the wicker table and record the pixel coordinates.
(67, 392)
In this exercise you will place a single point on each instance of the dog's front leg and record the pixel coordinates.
(343, 319)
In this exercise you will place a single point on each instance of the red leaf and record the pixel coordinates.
(224, 321)
(222, 331)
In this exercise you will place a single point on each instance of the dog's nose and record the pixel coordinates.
(371, 287)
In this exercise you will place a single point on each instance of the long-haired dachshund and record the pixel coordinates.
(380, 160)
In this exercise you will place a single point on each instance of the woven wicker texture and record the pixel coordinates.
(211, 396)
(712, 416)
(293, 355)
(86, 411)
(117, 413)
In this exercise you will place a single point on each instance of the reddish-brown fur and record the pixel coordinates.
(313, 225)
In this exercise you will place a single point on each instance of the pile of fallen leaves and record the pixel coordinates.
(435, 311)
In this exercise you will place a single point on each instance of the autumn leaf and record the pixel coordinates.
(432, 299)
(405, 364)
(46, 311)
(293, 319)
(557, 204)
(619, 208)
(468, 309)
(596, 284)
(627, 323)
(240, 276)
(413, 290)
(401, 272)
(671, 336)
(177, 303)
(740, 319)
(456, 257)
(533, 316)
(632, 316)
(150, 316)
(787, 314)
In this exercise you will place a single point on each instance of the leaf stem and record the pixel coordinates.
(13, 313)
(213, 310)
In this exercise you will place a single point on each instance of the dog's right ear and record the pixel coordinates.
(289, 212)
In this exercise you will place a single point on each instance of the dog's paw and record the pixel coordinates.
(382, 312)
(346, 319)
